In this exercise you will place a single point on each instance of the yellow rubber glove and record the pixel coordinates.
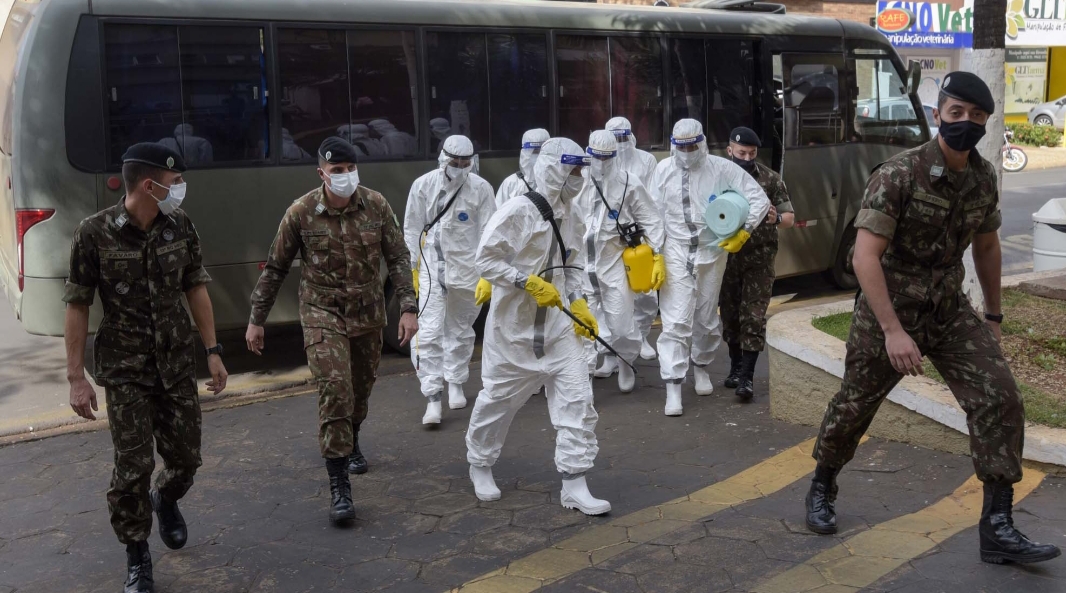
(544, 292)
(414, 276)
(658, 271)
(580, 309)
(483, 292)
(734, 243)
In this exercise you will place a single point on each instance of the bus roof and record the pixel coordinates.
(478, 13)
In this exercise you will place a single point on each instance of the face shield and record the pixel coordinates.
(532, 140)
(603, 149)
(688, 146)
(457, 160)
(559, 157)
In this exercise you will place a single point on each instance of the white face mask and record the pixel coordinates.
(572, 187)
(175, 196)
(344, 184)
(689, 159)
(456, 175)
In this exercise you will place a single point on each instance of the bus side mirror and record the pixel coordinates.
(914, 77)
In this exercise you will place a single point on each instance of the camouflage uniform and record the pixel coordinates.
(749, 275)
(143, 353)
(342, 304)
(930, 214)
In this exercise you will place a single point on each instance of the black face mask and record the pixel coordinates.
(961, 135)
(748, 166)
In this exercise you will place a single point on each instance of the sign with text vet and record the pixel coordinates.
(926, 24)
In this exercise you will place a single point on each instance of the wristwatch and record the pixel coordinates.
(216, 349)
(998, 318)
(778, 221)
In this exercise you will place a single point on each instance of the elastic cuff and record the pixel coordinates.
(577, 296)
(570, 476)
(434, 397)
(520, 281)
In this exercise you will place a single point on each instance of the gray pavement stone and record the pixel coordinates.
(459, 568)
(474, 521)
(681, 577)
(296, 579)
(376, 574)
(593, 580)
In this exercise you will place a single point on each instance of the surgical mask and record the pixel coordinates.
(457, 175)
(175, 196)
(601, 168)
(961, 135)
(745, 164)
(344, 184)
(572, 187)
(689, 159)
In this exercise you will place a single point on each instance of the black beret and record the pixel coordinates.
(336, 150)
(156, 155)
(745, 136)
(967, 86)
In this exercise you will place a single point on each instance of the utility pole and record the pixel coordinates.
(989, 35)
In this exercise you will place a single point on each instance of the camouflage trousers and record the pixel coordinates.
(139, 416)
(746, 291)
(964, 351)
(345, 370)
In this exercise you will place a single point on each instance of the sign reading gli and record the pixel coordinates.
(926, 24)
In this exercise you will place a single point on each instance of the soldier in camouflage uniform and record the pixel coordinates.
(921, 210)
(143, 254)
(340, 230)
(749, 274)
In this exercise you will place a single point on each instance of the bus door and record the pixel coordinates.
(812, 126)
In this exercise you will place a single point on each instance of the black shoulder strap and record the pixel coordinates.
(548, 214)
(443, 211)
(625, 190)
(523, 178)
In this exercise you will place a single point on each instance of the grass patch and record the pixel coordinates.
(1032, 342)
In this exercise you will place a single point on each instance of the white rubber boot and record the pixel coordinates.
(484, 484)
(456, 397)
(704, 386)
(608, 368)
(627, 379)
(575, 495)
(432, 413)
(647, 351)
(673, 399)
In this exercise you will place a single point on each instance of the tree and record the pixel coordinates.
(987, 61)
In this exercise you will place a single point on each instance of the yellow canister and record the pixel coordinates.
(639, 262)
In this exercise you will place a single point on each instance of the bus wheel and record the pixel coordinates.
(392, 322)
(843, 275)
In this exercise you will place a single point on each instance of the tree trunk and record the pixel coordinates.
(986, 61)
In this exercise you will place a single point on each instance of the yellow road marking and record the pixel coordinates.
(596, 544)
(866, 557)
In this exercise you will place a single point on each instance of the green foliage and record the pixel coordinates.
(837, 325)
(1042, 408)
(1029, 135)
(1045, 361)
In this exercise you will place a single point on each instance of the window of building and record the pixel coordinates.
(713, 81)
(884, 113)
(518, 73)
(458, 86)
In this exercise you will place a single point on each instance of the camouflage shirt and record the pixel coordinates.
(929, 214)
(775, 189)
(341, 251)
(145, 336)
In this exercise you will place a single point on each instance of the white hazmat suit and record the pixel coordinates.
(695, 264)
(613, 198)
(398, 143)
(642, 164)
(444, 344)
(522, 181)
(527, 346)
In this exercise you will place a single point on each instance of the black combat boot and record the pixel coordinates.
(1000, 541)
(138, 569)
(172, 529)
(821, 500)
(746, 384)
(356, 461)
(340, 491)
(733, 379)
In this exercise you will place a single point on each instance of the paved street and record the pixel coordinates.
(1023, 194)
(710, 501)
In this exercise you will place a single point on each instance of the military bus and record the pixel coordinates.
(247, 91)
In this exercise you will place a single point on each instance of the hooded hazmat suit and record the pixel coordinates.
(695, 264)
(613, 197)
(358, 135)
(194, 149)
(398, 143)
(442, 349)
(527, 346)
(522, 181)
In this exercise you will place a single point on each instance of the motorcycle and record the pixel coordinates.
(1014, 158)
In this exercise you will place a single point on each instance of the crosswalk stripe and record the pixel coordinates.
(596, 544)
(866, 557)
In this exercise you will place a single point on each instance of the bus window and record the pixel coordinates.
(383, 72)
(314, 90)
(812, 110)
(458, 85)
(223, 84)
(143, 84)
(518, 74)
(584, 85)
(637, 86)
(884, 113)
(713, 82)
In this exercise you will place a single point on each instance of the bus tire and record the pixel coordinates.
(392, 322)
(841, 276)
